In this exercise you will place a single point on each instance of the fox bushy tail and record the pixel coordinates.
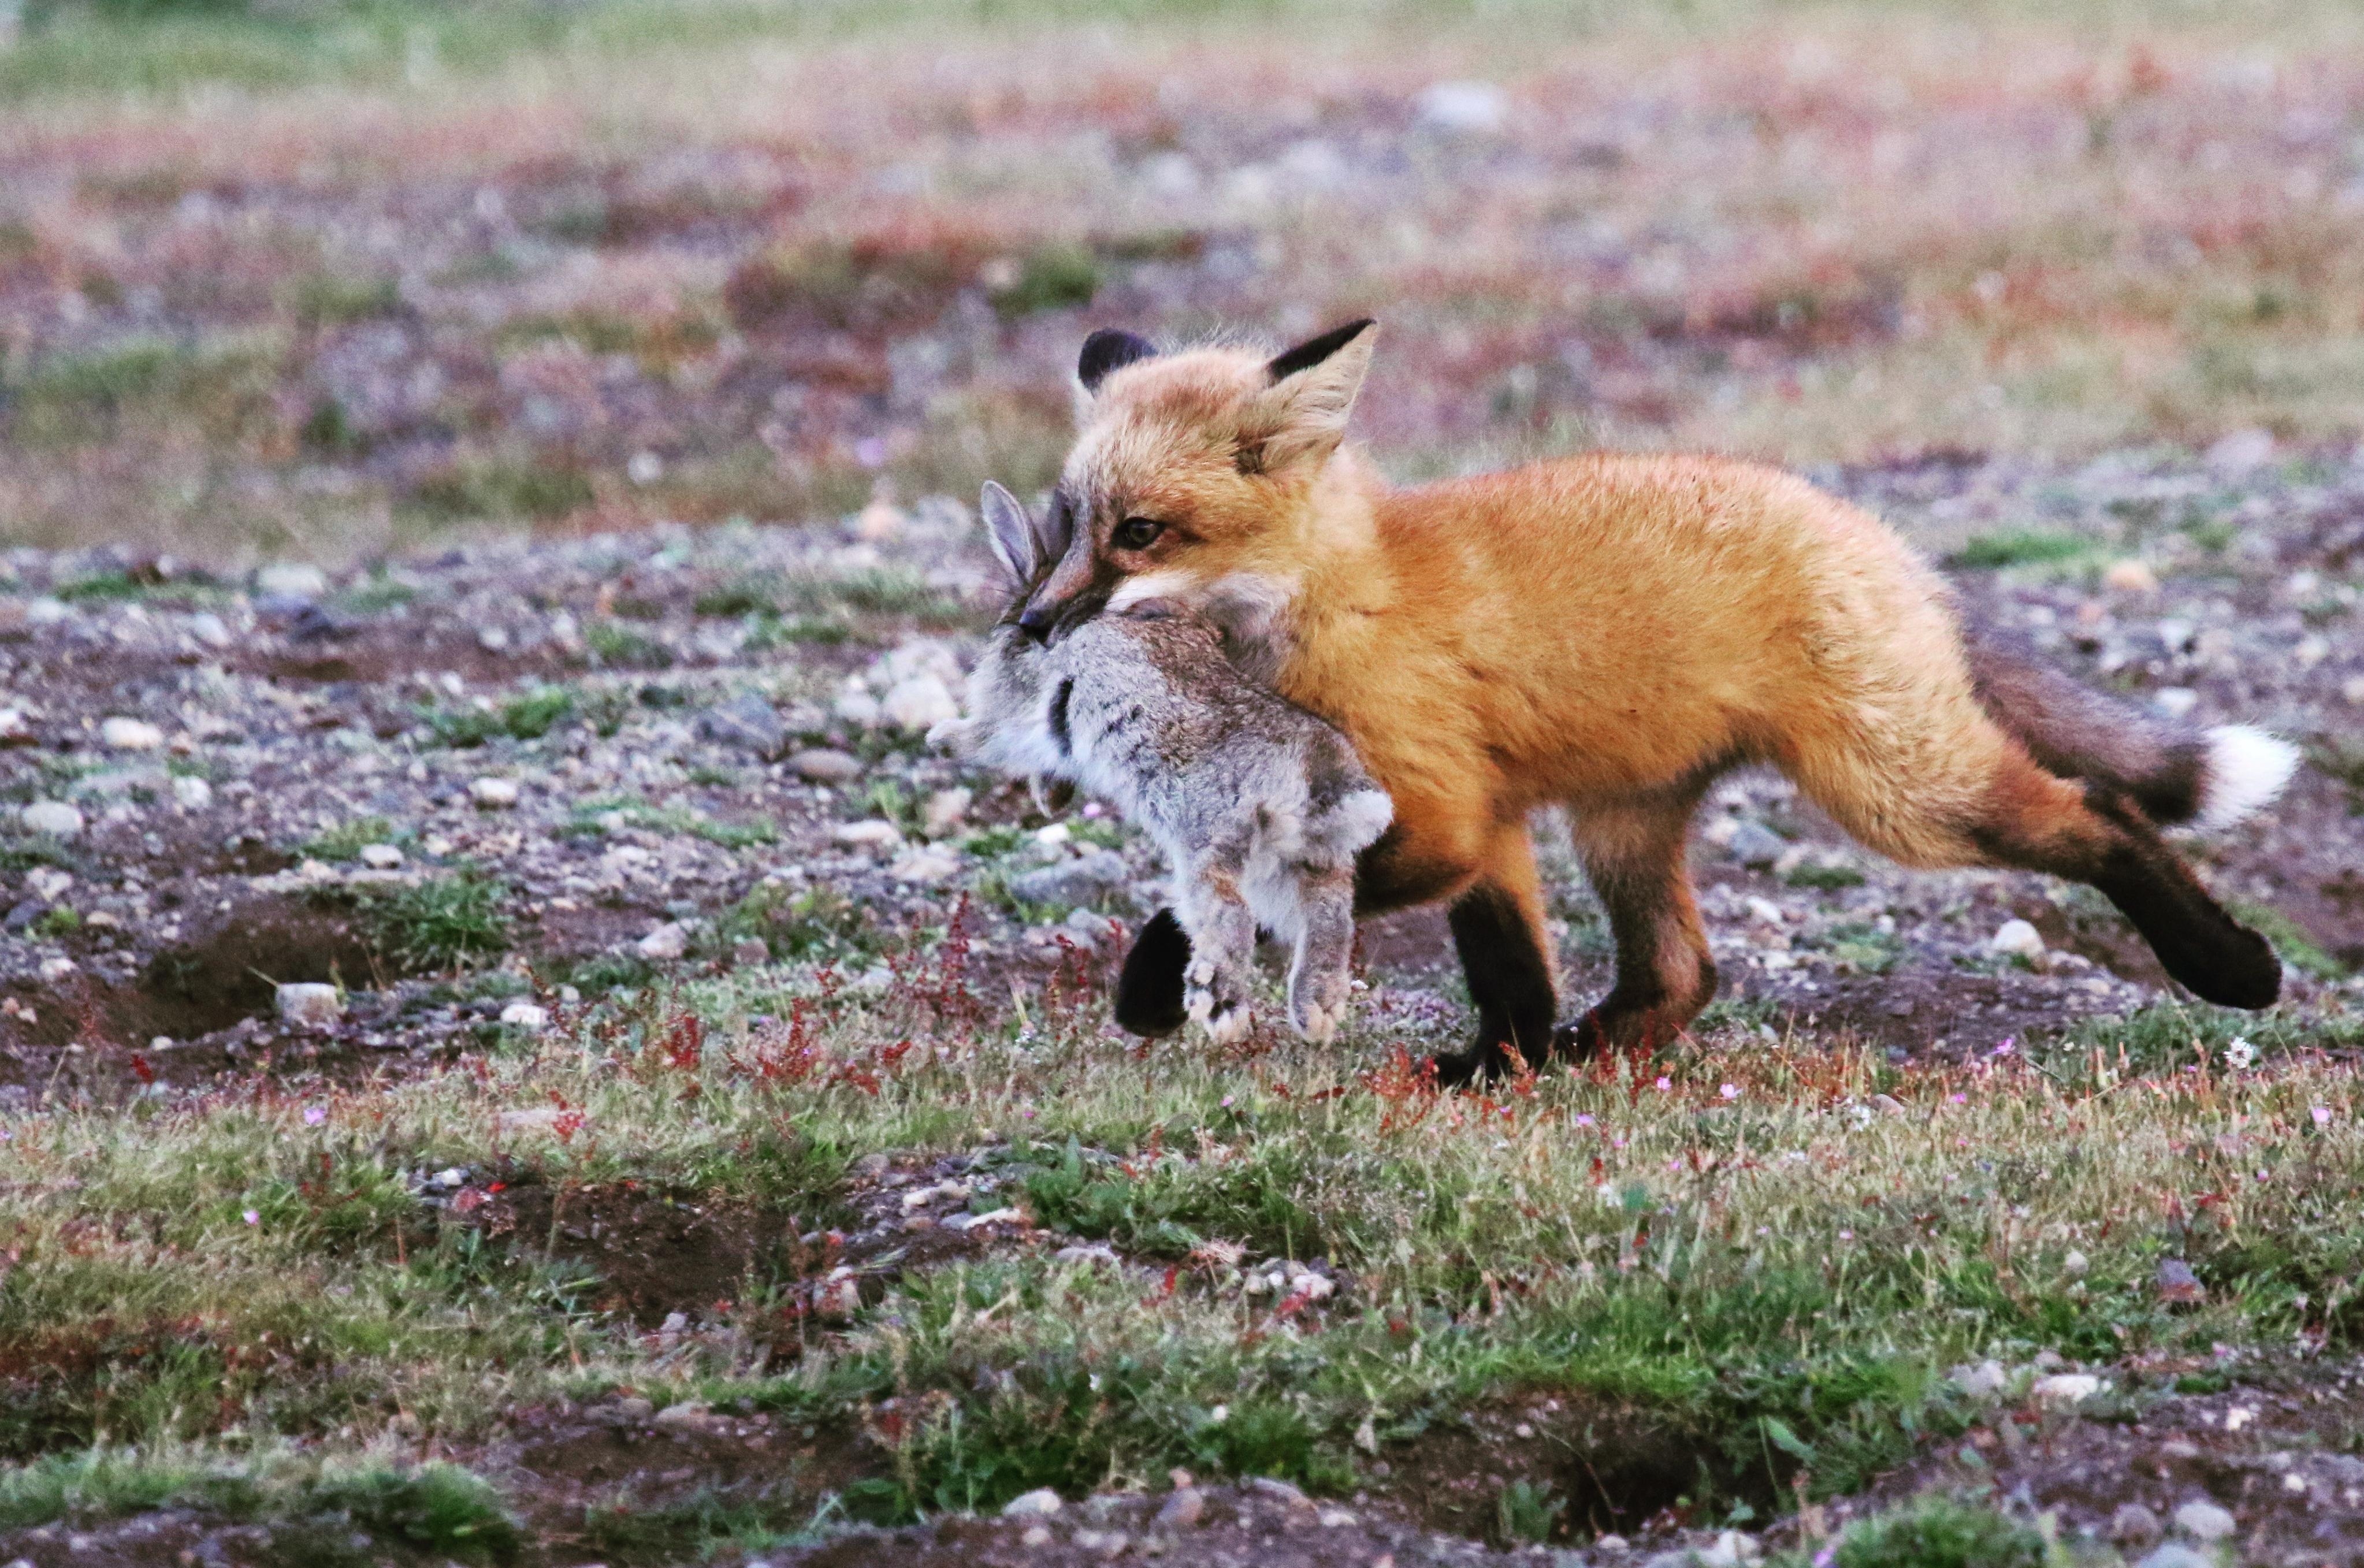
(2174, 773)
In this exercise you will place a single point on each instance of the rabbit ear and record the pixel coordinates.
(1057, 529)
(1012, 533)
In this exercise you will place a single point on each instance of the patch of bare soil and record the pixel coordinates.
(1268, 1523)
(177, 1538)
(656, 1252)
(623, 1483)
(2278, 1457)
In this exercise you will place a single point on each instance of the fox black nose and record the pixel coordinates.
(1035, 621)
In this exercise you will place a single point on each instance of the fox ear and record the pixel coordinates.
(1011, 532)
(1108, 349)
(1302, 418)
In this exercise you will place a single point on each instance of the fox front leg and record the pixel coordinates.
(1320, 977)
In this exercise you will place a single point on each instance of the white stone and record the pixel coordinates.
(1985, 1380)
(493, 795)
(48, 884)
(2175, 701)
(667, 942)
(2065, 1388)
(821, 765)
(310, 1004)
(1039, 1504)
(2130, 576)
(919, 703)
(926, 868)
(944, 812)
(525, 1015)
(381, 857)
(2242, 451)
(859, 708)
(54, 818)
(130, 735)
(2204, 1520)
(194, 794)
(207, 627)
(645, 468)
(56, 969)
(2017, 938)
(876, 831)
(1463, 108)
(293, 579)
(47, 611)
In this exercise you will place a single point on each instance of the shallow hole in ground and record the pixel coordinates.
(656, 1252)
(1548, 1467)
(232, 972)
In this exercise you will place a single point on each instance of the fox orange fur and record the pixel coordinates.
(1609, 633)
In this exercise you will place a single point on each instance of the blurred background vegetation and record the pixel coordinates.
(291, 276)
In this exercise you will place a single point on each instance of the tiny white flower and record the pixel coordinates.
(2239, 1054)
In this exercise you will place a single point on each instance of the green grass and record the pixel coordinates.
(437, 1505)
(2298, 950)
(589, 819)
(614, 645)
(347, 839)
(2020, 547)
(531, 492)
(439, 922)
(525, 717)
(1937, 1532)
(220, 388)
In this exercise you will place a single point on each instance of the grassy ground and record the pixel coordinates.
(322, 278)
(1764, 1255)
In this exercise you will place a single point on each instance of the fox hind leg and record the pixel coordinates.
(1633, 856)
(1952, 788)
(2091, 834)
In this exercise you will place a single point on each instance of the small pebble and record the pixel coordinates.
(310, 1004)
(130, 735)
(2017, 938)
(1039, 1504)
(2203, 1520)
(54, 818)
(822, 766)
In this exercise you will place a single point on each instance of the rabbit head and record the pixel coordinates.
(1007, 708)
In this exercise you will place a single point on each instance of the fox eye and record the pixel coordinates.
(1136, 533)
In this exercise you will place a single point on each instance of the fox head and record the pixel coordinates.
(1196, 477)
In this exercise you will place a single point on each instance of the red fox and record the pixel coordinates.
(1610, 632)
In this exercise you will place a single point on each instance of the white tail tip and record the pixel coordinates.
(2247, 769)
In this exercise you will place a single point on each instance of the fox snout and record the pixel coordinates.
(1070, 596)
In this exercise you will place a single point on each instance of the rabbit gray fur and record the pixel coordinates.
(1259, 806)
